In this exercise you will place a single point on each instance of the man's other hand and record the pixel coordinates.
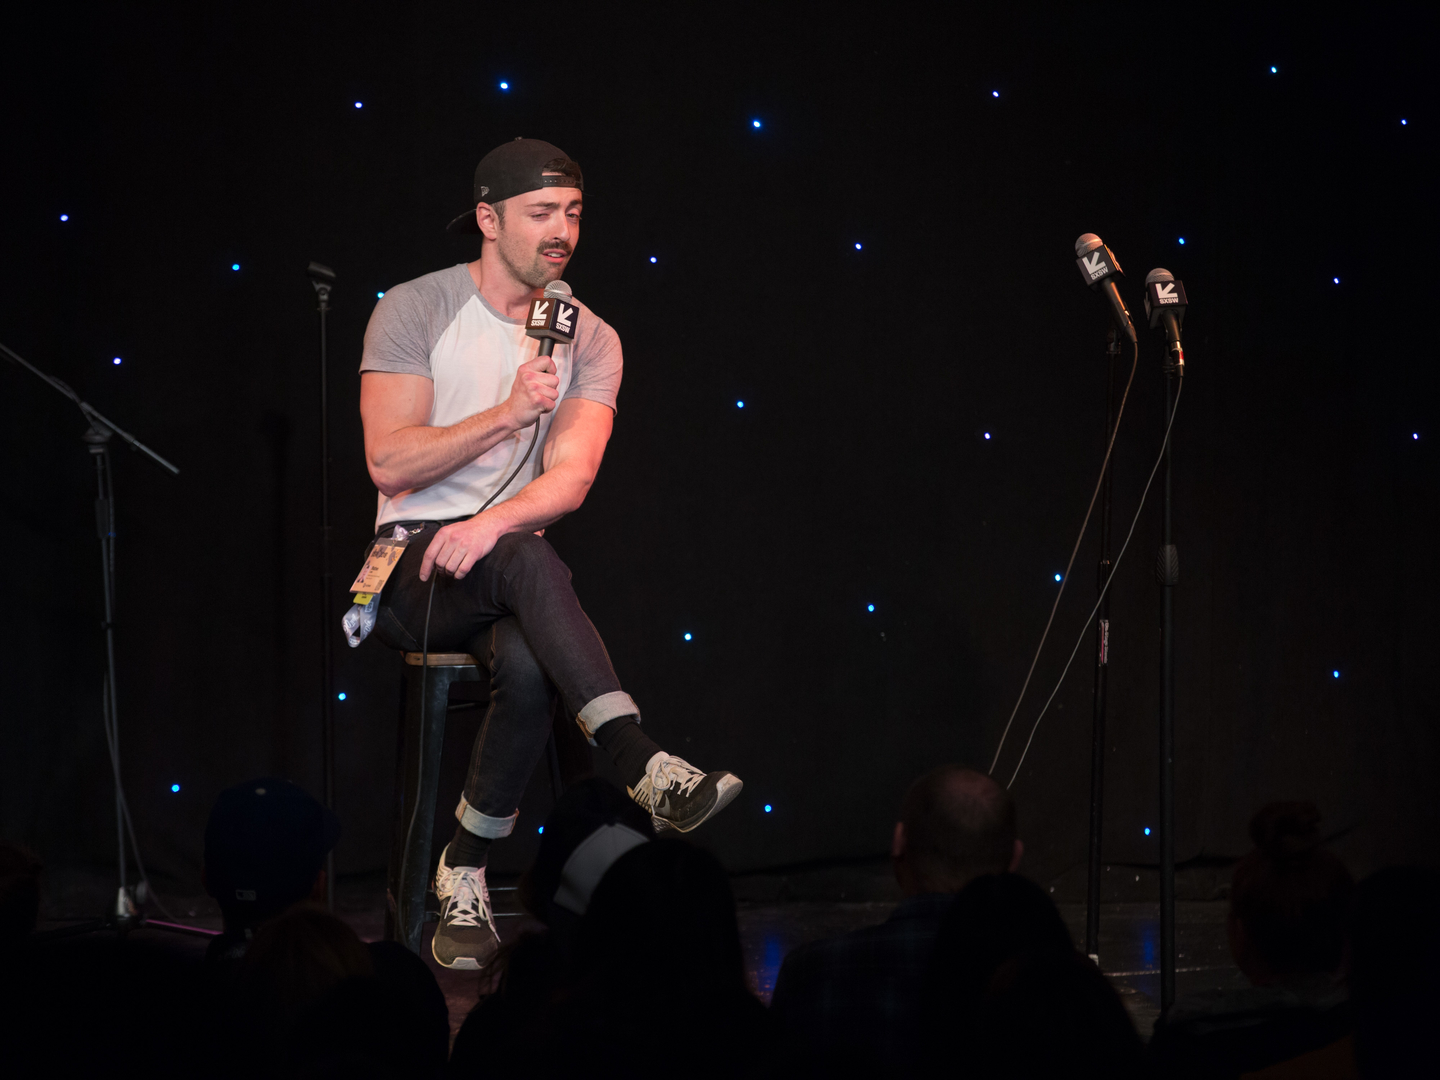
(534, 392)
(458, 547)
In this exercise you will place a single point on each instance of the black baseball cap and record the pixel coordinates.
(515, 168)
(264, 843)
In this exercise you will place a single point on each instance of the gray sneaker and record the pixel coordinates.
(466, 937)
(680, 796)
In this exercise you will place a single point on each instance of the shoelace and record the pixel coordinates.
(469, 906)
(444, 879)
(679, 775)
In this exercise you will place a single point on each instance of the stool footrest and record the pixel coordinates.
(441, 659)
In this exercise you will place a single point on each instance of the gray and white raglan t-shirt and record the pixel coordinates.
(439, 326)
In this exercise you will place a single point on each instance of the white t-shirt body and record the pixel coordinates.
(440, 327)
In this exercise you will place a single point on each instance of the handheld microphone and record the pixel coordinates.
(1165, 303)
(552, 317)
(1101, 271)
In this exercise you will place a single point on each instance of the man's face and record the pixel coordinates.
(538, 234)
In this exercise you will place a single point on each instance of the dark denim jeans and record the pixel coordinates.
(516, 613)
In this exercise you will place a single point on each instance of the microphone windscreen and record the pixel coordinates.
(1158, 274)
(558, 290)
(1087, 242)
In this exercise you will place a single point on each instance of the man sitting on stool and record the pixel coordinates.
(863, 990)
(453, 394)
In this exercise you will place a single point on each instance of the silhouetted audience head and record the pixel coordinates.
(955, 824)
(657, 976)
(664, 898)
(317, 1002)
(1289, 900)
(1007, 985)
(994, 919)
(1053, 1014)
(1289, 912)
(296, 958)
(265, 848)
(19, 894)
(1394, 960)
(100, 1004)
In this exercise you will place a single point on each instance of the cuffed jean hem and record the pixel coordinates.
(605, 708)
(491, 828)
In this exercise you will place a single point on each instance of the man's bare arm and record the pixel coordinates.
(404, 452)
(574, 448)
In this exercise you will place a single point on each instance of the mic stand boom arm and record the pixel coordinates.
(98, 419)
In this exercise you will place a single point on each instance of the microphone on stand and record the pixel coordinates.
(1101, 271)
(1165, 304)
(552, 317)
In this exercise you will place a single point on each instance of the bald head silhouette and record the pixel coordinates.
(955, 825)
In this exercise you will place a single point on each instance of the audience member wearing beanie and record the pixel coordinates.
(265, 847)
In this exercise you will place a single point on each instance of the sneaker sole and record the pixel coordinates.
(725, 792)
(460, 963)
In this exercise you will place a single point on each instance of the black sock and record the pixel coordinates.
(467, 849)
(628, 746)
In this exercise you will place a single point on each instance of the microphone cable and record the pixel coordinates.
(425, 671)
(1065, 580)
(1164, 445)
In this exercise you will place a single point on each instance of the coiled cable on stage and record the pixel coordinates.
(1164, 444)
(1065, 580)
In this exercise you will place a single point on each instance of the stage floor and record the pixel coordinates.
(769, 929)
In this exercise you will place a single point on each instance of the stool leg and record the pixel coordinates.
(398, 816)
(420, 785)
(557, 785)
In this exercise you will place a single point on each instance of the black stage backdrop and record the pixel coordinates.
(881, 271)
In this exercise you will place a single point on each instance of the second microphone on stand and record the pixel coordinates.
(1165, 306)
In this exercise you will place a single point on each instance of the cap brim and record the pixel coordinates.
(465, 223)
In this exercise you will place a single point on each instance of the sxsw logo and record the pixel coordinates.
(564, 319)
(1164, 295)
(539, 313)
(1094, 264)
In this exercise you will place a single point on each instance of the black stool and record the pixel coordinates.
(452, 680)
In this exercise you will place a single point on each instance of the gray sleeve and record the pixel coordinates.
(398, 337)
(598, 362)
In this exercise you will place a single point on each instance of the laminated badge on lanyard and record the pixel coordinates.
(380, 562)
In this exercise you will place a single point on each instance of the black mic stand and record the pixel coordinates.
(1167, 570)
(1102, 662)
(126, 912)
(323, 278)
